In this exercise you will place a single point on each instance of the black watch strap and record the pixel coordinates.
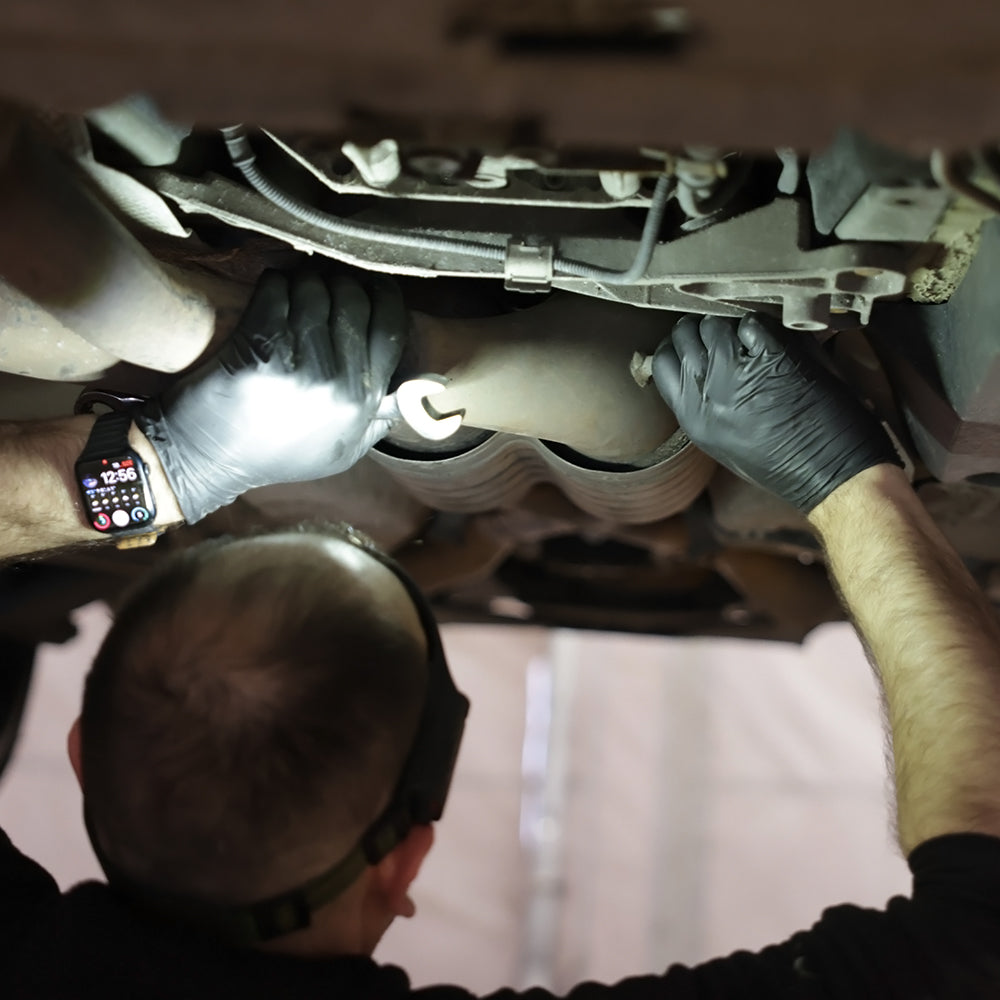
(108, 440)
(108, 435)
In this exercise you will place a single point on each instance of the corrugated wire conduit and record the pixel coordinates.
(244, 159)
(501, 469)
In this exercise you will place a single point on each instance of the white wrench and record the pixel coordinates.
(408, 403)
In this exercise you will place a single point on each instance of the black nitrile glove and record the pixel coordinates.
(292, 396)
(748, 394)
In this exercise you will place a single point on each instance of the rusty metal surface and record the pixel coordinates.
(499, 472)
(759, 261)
(559, 371)
(78, 291)
(33, 342)
(756, 260)
(751, 75)
(944, 363)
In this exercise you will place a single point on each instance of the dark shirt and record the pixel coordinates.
(943, 942)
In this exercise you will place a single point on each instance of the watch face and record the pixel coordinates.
(116, 494)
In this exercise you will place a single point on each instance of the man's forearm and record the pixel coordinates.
(935, 642)
(40, 507)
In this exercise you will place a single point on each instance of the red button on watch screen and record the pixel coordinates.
(102, 522)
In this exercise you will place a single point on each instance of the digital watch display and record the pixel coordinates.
(113, 480)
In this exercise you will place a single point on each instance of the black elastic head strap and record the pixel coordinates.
(418, 798)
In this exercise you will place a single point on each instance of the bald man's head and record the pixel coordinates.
(249, 713)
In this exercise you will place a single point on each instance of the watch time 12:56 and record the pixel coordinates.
(125, 474)
(116, 495)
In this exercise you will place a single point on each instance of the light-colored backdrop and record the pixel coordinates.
(621, 803)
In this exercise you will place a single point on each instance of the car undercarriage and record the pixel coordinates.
(543, 257)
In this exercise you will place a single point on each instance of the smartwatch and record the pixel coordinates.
(114, 484)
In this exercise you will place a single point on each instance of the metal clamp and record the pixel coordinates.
(528, 267)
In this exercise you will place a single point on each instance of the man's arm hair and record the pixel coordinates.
(934, 641)
(40, 507)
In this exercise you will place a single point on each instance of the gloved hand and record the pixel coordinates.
(748, 394)
(291, 396)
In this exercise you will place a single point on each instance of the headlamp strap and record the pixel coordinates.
(247, 925)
